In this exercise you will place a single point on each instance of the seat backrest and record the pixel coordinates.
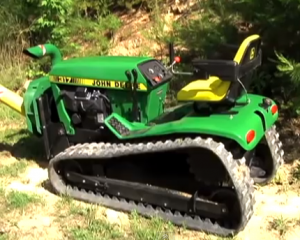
(248, 57)
(248, 50)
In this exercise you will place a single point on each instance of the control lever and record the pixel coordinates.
(129, 77)
(135, 110)
(174, 60)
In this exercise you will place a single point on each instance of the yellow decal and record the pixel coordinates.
(252, 53)
(97, 83)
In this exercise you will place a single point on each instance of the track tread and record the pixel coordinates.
(275, 145)
(237, 170)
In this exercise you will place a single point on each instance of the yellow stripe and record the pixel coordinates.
(243, 48)
(96, 83)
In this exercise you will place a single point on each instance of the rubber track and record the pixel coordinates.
(275, 145)
(237, 170)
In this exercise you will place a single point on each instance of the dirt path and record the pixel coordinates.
(275, 211)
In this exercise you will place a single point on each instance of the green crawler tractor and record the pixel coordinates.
(110, 141)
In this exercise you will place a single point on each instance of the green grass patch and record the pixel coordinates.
(153, 229)
(69, 209)
(88, 211)
(95, 229)
(21, 144)
(9, 117)
(4, 237)
(83, 224)
(63, 205)
(87, 226)
(281, 224)
(21, 200)
(13, 170)
(12, 135)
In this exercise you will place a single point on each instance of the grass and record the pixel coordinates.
(12, 68)
(4, 237)
(95, 229)
(280, 224)
(10, 118)
(21, 200)
(84, 221)
(283, 225)
(144, 229)
(14, 169)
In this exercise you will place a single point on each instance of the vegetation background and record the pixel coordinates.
(85, 27)
(143, 27)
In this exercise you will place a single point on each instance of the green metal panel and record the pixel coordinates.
(121, 102)
(35, 89)
(156, 100)
(61, 110)
(228, 126)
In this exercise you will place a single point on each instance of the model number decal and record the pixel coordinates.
(97, 83)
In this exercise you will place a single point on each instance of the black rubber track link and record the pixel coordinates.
(275, 146)
(238, 172)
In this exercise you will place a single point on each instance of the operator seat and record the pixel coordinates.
(223, 78)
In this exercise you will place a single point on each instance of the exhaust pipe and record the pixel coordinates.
(12, 100)
(40, 51)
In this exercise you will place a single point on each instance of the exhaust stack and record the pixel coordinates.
(12, 100)
(40, 51)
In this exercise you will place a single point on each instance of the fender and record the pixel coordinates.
(247, 126)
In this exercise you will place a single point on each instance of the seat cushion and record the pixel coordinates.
(212, 89)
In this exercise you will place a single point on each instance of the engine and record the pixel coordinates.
(87, 107)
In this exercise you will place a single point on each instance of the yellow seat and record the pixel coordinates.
(215, 89)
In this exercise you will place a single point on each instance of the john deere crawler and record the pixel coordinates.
(109, 139)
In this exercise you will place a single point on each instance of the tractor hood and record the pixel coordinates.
(99, 67)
